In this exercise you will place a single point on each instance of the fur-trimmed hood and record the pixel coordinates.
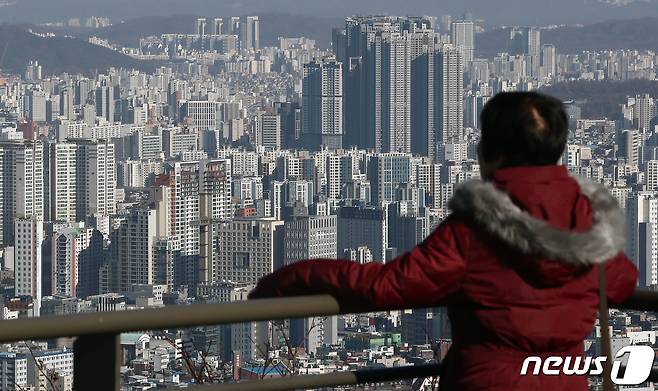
(494, 211)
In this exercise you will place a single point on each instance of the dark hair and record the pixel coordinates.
(523, 129)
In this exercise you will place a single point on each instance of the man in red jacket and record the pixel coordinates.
(516, 262)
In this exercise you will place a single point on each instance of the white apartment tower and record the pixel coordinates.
(96, 173)
(651, 175)
(64, 179)
(29, 236)
(21, 181)
(642, 235)
(449, 97)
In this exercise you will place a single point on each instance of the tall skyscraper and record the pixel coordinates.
(27, 262)
(642, 235)
(449, 95)
(548, 61)
(423, 88)
(217, 26)
(322, 104)
(644, 111)
(64, 179)
(66, 99)
(186, 182)
(35, 105)
(132, 249)
(201, 25)
(22, 194)
(96, 173)
(393, 98)
(463, 38)
(105, 102)
(234, 25)
(250, 33)
(378, 84)
(67, 244)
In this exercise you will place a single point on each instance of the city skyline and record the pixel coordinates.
(129, 188)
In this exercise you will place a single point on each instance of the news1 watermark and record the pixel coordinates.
(636, 370)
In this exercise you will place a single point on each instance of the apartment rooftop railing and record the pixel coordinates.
(96, 350)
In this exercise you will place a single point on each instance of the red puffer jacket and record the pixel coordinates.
(516, 265)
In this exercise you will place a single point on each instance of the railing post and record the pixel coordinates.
(96, 360)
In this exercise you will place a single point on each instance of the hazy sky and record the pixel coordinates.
(495, 12)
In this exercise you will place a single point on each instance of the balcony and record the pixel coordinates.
(96, 350)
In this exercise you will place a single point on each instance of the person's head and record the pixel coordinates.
(521, 129)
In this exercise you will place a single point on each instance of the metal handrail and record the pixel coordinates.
(117, 322)
(98, 337)
(54, 326)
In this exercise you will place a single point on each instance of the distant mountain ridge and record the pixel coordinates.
(272, 26)
(59, 54)
(640, 34)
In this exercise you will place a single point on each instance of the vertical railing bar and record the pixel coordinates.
(96, 360)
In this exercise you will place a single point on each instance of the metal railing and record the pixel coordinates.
(97, 352)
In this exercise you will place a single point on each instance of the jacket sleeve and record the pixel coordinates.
(620, 279)
(422, 277)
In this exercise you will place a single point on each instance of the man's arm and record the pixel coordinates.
(422, 277)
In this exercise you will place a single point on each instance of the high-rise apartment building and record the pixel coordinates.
(201, 25)
(96, 183)
(462, 37)
(423, 89)
(548, 61)
(66, 99)
(364, 227)
(187, 183)
(449, 95)
(386, 172)
(200, 114)
(34, 105)
(310, 237)
(105, 102)
(322, 104)
(378, 84)
(67, 244)
(22, 184)
(249, 249)
(64, 179)
(250, 33)
(268, 129)
(29, 235)
(217, 26)
(642, 235)
(13, 371)
(132, 249)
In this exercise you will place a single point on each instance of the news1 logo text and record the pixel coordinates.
(636, 371)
